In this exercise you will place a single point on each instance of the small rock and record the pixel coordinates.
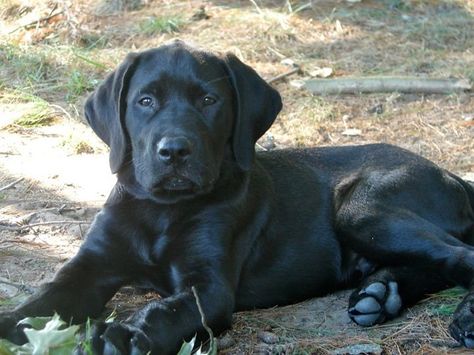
(267, 142)
(268, 337)
(262, 349)
(226, 341)
(377, 109)
(358, 349)
(200, 14)
(6, 289)
(468, 117)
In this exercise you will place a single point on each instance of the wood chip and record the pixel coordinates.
(352, 132)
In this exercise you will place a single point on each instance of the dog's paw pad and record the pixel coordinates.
(462, 327)
(393, 303)
(376, 289)
(375, 303)
(367, 305)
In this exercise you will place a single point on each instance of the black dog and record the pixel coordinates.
(195, 206)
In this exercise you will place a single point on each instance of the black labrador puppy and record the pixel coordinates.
(194, 205)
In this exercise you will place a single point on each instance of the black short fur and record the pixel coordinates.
(195, 206)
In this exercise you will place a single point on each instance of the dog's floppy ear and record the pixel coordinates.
(105, 110)
(256, 104)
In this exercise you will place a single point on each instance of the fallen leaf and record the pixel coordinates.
(288, 62)
(297, 83)
(469, 177)
(321, 72)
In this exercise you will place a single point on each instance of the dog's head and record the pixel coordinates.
(173, 114)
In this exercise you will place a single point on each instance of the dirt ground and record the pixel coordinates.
(53, 54)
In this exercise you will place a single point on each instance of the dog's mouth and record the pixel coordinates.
(172, 185)
(175, 183)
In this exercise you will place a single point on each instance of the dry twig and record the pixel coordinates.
(38, 224)
(22, 220)
(11, 184)
(36, 22)
(201, 312)
(284, 75)
(19, 287)
(387, 84)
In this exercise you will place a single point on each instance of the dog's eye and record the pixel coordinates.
(145, 101)
(208, 100)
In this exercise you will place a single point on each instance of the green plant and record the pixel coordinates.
(448, 301)
(39, 115)
(162, 24)
(46, 335)
(53, 336)
(187, 347)
(86, 343)
(78, 84)
(28, 66)
(29, 110)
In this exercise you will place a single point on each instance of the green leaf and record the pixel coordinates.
(111, 317)
(212, 348)
(52, 339)
(86, 342)
(35, 322)
(8, 348)
(187, 348)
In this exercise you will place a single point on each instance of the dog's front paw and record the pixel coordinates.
(462, 327)
(375, 303)
(120, 339)
(9, 328)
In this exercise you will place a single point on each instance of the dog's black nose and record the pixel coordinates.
(173, 149)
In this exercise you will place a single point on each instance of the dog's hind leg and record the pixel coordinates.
(382, 295)
(396, 237)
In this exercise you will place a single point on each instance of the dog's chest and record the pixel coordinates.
(154, 239)
(153, 246)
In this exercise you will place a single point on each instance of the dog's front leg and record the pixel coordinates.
(79, 290)
(162, 326)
